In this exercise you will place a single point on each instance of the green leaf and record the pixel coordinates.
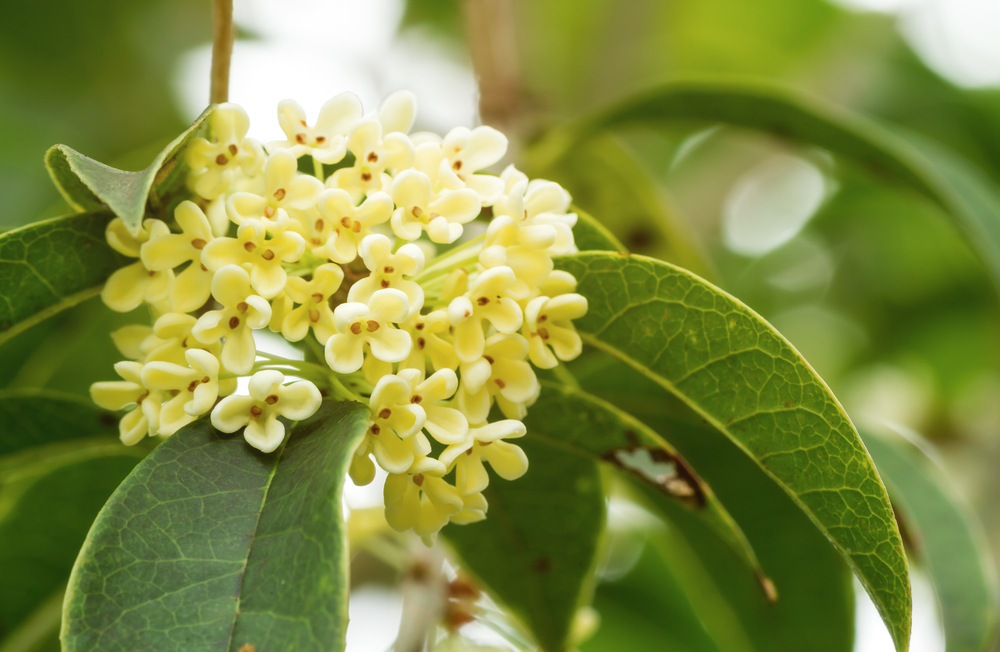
(946, 537)
(211, 544)
(591, 235)
(52, 265)
(87, 184)
(46, 507)
(970, 199)
(34, 417)
(735, 371)
(536, 548)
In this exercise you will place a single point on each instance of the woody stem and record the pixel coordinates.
(222, 50)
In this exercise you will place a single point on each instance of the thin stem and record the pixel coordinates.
(318, 169)
(222, 49)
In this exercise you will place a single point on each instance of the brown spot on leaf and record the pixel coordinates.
(543, 565)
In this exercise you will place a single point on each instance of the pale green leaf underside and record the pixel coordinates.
(970, 198)
(948, 540)
(52, 265)
(735, 370)
(211, 545)
(535, 550)
(88, 184)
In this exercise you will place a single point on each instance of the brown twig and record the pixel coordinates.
(222, 49)
(490, 30)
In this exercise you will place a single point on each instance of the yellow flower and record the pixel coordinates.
(419, 501)
(241, 311)
(345, 225)
(425, 332)
(194, 386)
(467, 152)
(325, 140)
(418, 210)
(488, 299)
(284, 190)
(129, 286)
(373, 324)
(144, 418)
(314, 309)
(259, 411)
(374, 153)
(484, 444)
(387, 271)
(213, 162)
(445, 424)
(394, 425)
(263, 256)
(550, 332)
(165, 251)
(502, 373)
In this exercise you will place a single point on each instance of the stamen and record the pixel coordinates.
(356, 328)
(249, 246)
(319, 225)
(256, 411)
(268, 212)
(221, 159)
(317, 296)
(233, 149)
(346, 221)
(372, 325)
(384, 413)
(544, 333)
(416, 398)
(267, 255)
(234, 322)
(456, 166)
(300, 139)
(366, 176)
(313, 315)
(384, 283)
(500, 383)
(192, 385)
(420, 343)
(372, 157)
(488, 359)
(271, 399)
(375, 429)
(420, 326)
(418, 479)
(320, 140)
(206, 379)
(482, 301)
(198, 243)
(542, 318)
(242, 307)
(279, 194)
(388, 269)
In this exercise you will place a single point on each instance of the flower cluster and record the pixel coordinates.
(418, 305)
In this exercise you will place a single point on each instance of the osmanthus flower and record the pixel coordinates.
(213, 162)
(502, 373)
(313, 297)
(523, 248)
(172, 338)
(387, 271)
(144, 418)
(428, 345)
(488, 299)
(467, 152)
(131, 340)
(241, 311)
(164, 251)
(284, 189)
(346, 225)
(263, 256)
(550, 330)
(325, 141)
(269, 399)
(393, 426)
(418, 210)
(127, 288)
(195, 388)
(473, 510)
(419, 501)
(485, 444)
(538, 202)
(375, 152)
(445, 424)
(374, 324)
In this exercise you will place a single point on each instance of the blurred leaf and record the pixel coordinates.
(535, 549)
(40, 630)
(86, 183)
(49, 497)
(739, 374)
(244, 547)
(947, 538)
(815, 605)
(33, 417)
(968, 198)
(591, 235)
(50, 266)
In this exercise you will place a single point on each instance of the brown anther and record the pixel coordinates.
(488, 359)
(356, 227)
(388, 269)
(375, 429)
(249, 246)
(421, 343)
(313, 315)
(320, 140)
(198, 243)
(467, 314)
(316, 241)
(242, 307)
(461, 587)
(319, 224)
(468, 452)
(416, 398)
(203, 268)
(142, 398)
(256, 411)
(482, 301)
(384, 413)
(372, 325)
(206, 379)
(356, 328)
(372, 157)
(269, 212)
(221, 159)
(366, 176)
(484, 443)
(271, 399)
(384, 283)
(267, 255)
(346, 222)
(500, 383)
(279, 194)
(300, 139)
(184, 343)
(303, 123)
(417, 211)
(418, 479)
(317, 296)
(457, 165)
(544, 333)
(542, 318)
(192, 385)
(420, 326)
(234, 322)
(233, 149)
(152, 273)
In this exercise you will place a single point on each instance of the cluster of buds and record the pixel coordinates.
(376, 263)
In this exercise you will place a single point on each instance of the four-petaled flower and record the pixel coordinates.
(550, 332)
(325, 140)
(467, 152)
(129, 286)
(269, 399)
(425, 332)
(214, 162)
(488, 298)
(241, 311)
(393, 433)
(374, 153)
(445, 424)
(418, 210)
(502, 373)
(164, 251)
(387, 271)
(144, 418)
(284, 190)
(263, 256)
(374, 324)
(195, 388)
(314, 310)
(344, 225)
(485, 444)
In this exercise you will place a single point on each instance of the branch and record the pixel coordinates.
(222, 49)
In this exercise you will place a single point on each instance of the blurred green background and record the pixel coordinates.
(873, 285)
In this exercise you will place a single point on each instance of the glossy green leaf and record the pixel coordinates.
(735, 371)
(211, 544)
(535, 550)
(87, 184)
(946, 537)
(970, 199)
(591, 235)
(52, 265)
(30, 418)
(815, 606)
(48, 501)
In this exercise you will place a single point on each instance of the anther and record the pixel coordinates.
(420, 326)
(320, 140)
(268, 212)
(372, 325)
(421, 343)
(313, 315)
(256, 411)
(366, 176)
(384, 283)
(488, 359)
(346, 222)
(221, 159)
(319, 225)
(249, 246)
(356, 227)
(279, 194)
(242, 307)
(416, 398)
(300, 139)
(198, 243)
(192, 385)
(544, 333)
(375, 429)
(417, 211)
(500, 383)
(234, 322)
(356, 328)
(317, 296)
(233, 149)
(267, 255)
(271, 399)
(372, 157)
(418, 479)
(457, 165)
(482, 301)
(384, 413)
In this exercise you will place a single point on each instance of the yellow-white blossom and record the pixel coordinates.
(345, 225)
(387, 271)
(488, 299)
(144, 418)
(284, 190)
(485, 444)
(550, 329)
(313, 297)
(502, 373)
(426, 332)
(165, 251)
(445, 424)
(374, 153)
(419, 501)
(262, 255)
(523, 248)
(394, 426)
(194, 388)
(325, 141)
(374, 324)
(467, 152)
(241, 311)
(538, 202)
(269, 399)
(133, 284)
(214, 161)
(418, 210)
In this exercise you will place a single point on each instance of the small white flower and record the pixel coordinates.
(425, 332)
(144, 418)
(213, 162)
(387, 271)
(269, 398)
(419, 501)
(314, 309)
(467, 152)
(165, 251)
(502, 373)
(241, 311)
(536, 203)
(393, 433)
(342, 226)
(195, 388)
(550, 332)
(488, 299)
(485, 444)
(446, 425)
(373, 324)
(129, 286)
(522, 248)
(374, 153)
(284, 190)
(325, 141)
(418, 210)
(263, 256)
